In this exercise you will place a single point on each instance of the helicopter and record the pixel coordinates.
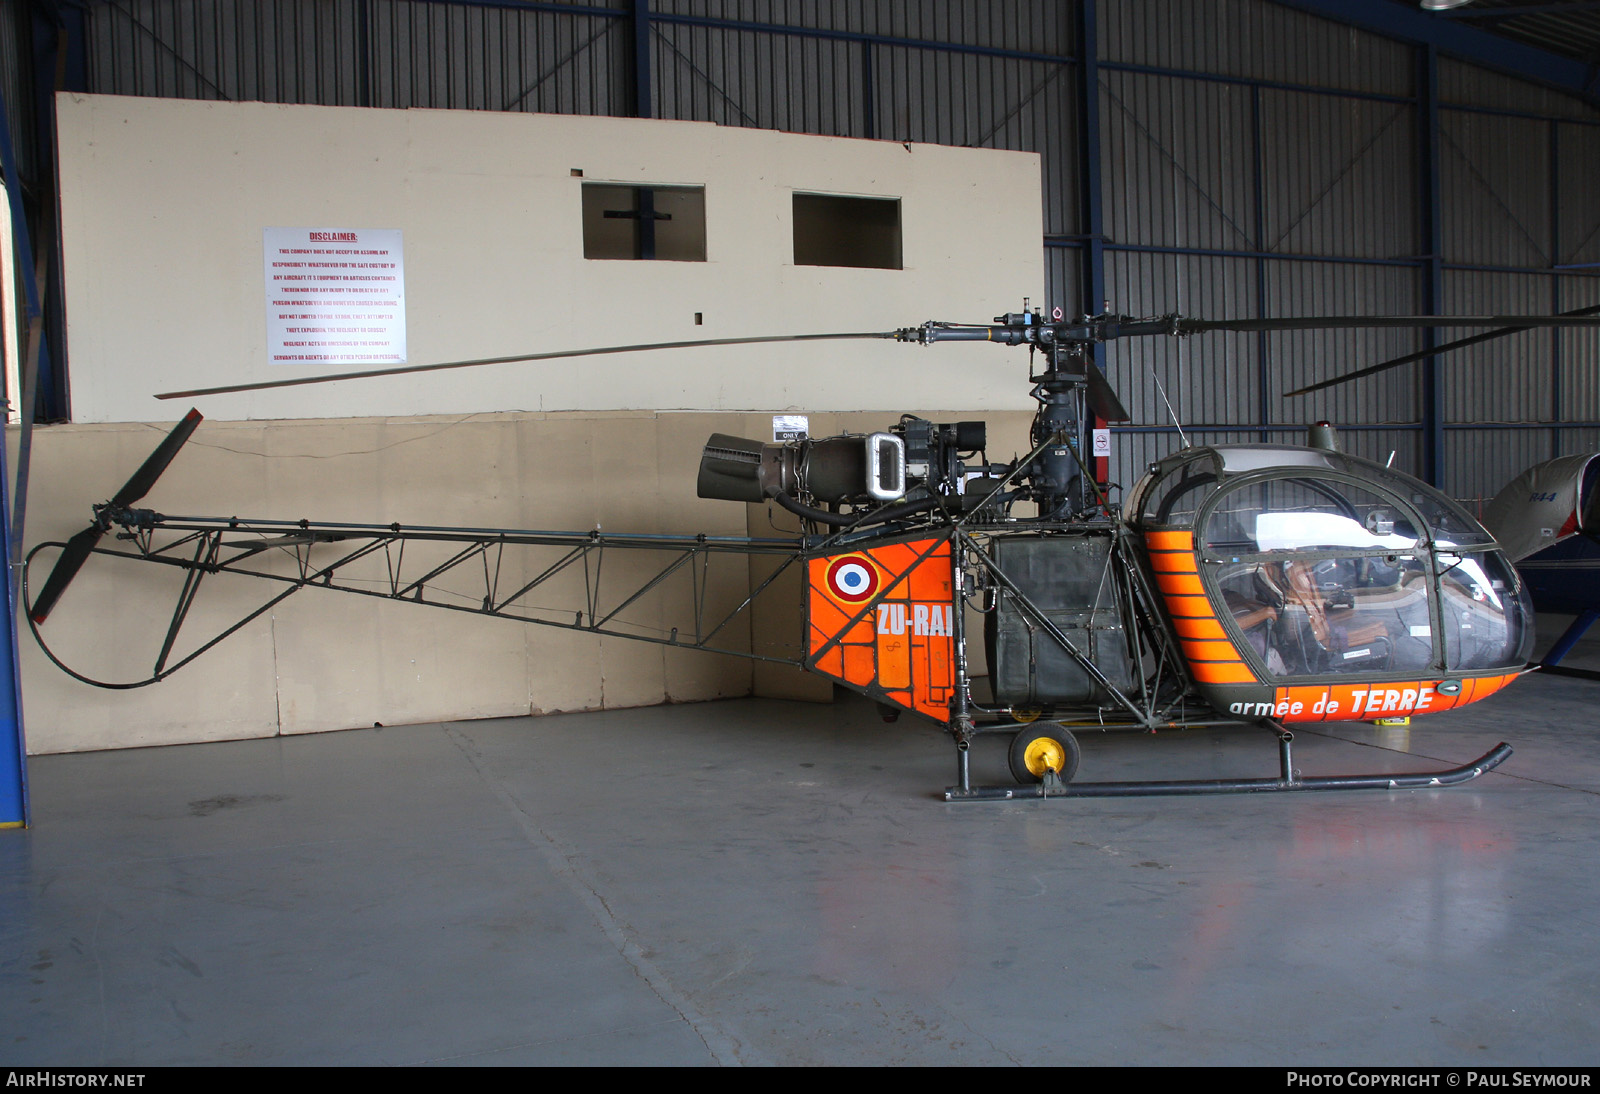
(1251, 583)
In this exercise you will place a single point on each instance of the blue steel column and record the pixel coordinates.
(1433, 456)
(1263, 360)
(363, 54)
(1556, 302)
(869, 94)
(642, 106)
(1093, 226)
(13, 754)
(60, 63)
(1091, 212)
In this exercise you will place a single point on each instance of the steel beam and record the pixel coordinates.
(1442, 34)
(1092, 211)
(13, 750)
(642, 105)
(1429, 223)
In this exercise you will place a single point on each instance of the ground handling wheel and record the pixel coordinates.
(1043, 748)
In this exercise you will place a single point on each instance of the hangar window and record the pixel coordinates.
(834, 230)
(666, 223)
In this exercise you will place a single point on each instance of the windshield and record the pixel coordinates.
(1325, 577)
(1306, 514)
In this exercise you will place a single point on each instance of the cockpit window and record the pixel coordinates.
(1332, 616)
(1172, 494)
(1322, 577)
(1485, 621)
(1178, 494)
(1306, 514)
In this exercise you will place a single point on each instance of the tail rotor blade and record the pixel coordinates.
(143, 479)
(80, 546)
(66, 568)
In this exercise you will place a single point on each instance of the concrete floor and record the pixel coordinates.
(757, 882)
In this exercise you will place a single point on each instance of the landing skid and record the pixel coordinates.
(1053, 787)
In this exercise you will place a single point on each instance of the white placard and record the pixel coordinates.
(789, 427)
(335, 295)
(1102, 442)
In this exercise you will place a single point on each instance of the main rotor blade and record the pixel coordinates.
(1198, 326)
(1422, 354)
(139, 484)
(403, 369)
(66, 568)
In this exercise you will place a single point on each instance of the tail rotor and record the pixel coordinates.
(80, 546)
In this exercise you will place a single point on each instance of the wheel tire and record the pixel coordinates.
(1038, 748)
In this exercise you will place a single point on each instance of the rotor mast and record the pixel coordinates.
(1064, 388)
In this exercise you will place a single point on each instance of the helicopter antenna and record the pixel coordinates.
(1174, 414)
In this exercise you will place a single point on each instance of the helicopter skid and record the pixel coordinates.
(1289, 779)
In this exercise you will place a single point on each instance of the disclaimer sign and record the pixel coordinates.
(335, 295)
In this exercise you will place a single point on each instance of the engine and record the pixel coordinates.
(914, 466)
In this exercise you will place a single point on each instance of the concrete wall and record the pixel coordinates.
(164, 203)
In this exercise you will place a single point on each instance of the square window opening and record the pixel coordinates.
(661, 223)
(834, 230)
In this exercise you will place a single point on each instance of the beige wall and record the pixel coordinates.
(163, 205)
(330, 661)
(326, 660)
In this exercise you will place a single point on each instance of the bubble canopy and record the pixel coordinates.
(1174, 490)
(1325, 565)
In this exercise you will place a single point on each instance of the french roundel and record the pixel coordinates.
(852, 578)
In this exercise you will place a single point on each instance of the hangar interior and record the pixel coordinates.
(556, 834)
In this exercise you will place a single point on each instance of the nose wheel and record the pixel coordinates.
(1042, 749)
